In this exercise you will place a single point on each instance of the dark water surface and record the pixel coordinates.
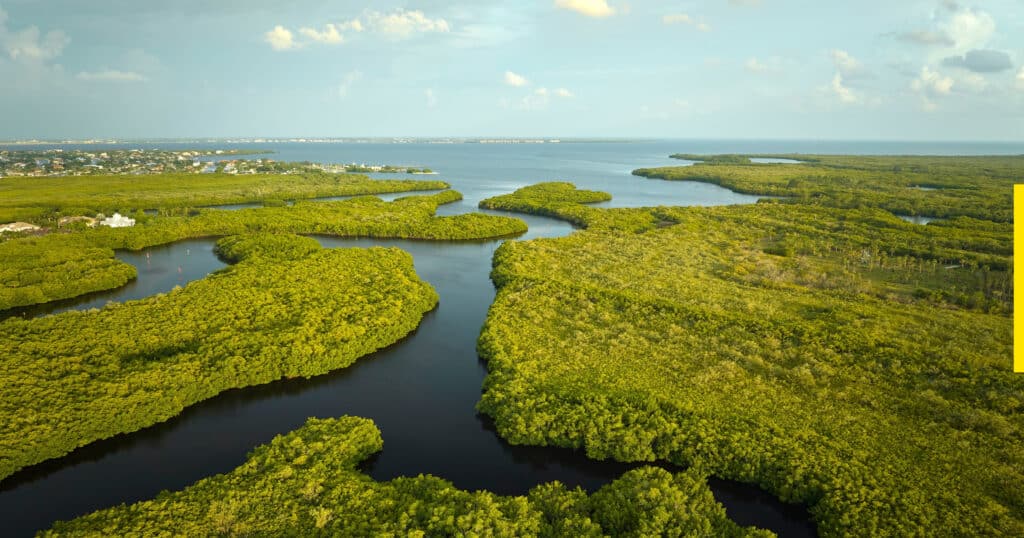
(421, 392)
(160, 269)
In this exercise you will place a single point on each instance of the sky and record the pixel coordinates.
(747, 69)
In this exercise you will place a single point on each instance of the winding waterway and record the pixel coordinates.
(421, 392)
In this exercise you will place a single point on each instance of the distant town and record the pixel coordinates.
(77, 162)
(307, 140)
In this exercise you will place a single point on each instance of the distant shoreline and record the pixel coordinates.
(386, 140)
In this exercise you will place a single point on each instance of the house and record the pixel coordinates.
(118, 221)
(18, 227)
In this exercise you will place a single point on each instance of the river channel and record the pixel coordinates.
(420, 392)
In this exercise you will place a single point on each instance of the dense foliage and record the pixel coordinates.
(942, 187)
(42, 269)
(43, 199)
(285, 310)
(83, 261)
(553, 199)
(829, 355)
(305, 483)
(236, 248)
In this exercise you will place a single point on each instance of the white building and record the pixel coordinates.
(118, 221)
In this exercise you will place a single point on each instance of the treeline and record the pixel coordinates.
(60, 266)
(310, 480)
(285, 310)
(715, 159)
(43, 200)
(790, 345)
(939, 187)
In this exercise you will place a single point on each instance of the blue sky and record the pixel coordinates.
(874, 69)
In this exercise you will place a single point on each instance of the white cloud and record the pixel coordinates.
(431, 97)
(403, 24)
(970, 29)
(29, 45)
(397, 24)
(111, 75)
(683, 18)
(590, 8)
(563, 92)
(329, 34)
(281, 38)
(27, 64)
(844, 94)
(541, 91)
(513, 79)
(846, 63)
(1020, 79)
(932, 82)
(353, 25)
(751, 3)
(347, 81)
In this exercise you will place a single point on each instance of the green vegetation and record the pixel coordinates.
(826, 354)
(43, 200)
(716, 159)
(43, 269)
(552, 199)
(305, 483)
(285, 310)
(83, 261)
(978, 187)
(236, 248)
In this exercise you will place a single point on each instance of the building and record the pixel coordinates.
(18, 227)
(118, 221)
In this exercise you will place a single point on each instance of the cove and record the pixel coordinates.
(421, 392)
(160, 269)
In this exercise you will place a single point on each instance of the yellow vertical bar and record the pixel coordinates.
(1018, 278)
